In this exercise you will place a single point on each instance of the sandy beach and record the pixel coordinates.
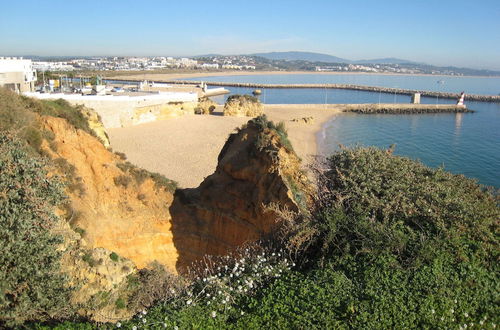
(159, 76)
(185, 148)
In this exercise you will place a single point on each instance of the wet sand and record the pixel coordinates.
(185, 148)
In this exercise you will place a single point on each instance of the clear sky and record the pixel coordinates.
(441, 32)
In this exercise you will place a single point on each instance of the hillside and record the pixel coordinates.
(90, 241)
(302, 56)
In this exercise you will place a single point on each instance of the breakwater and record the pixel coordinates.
(387, 90)
(374, 108)
(404, 108)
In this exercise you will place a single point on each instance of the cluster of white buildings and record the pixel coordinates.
(17, 74)
(116, 64)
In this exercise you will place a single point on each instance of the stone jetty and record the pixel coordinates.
(402, 108)
(388, 90)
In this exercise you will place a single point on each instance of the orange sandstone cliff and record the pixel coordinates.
(257, 167)
(121, 218)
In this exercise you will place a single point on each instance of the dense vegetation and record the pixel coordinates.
(389, 243)
(31, 286)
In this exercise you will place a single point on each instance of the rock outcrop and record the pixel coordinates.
(256, 167)
(205, 106)
(95, 124)
(120, 218)
(243, 105)
(115, 205)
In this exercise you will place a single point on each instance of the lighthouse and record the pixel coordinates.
(461, 99)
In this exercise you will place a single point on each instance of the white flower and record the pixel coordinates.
(189, 302)
(143, 320)
(172, 291)
(118, 324)
(465, 326)
(208, 302)
(214, 314)
(140, 316)
(433, 311)
(144, 312)
(452, 311)
(208, 294)
(466, 314)
(134, 328)
(481, 322)
(175, 327)
(242, 312)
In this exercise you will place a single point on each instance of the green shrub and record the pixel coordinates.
(122, 180)
(120, 303)
(113, 256)
(31, 285)
(373, 202)
(140, 175)
(87, 257)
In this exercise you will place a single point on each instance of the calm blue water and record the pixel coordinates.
(463, 143)
(471, 85)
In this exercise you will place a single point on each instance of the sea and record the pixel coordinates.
(467, 143)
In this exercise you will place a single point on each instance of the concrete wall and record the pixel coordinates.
(124, 111)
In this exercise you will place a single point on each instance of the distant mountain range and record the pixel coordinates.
(325, 58)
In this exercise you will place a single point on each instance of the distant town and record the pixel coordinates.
(245, 63)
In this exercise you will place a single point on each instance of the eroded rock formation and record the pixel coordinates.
(120, 218)
(256, 167)
(116, 206)
(243, 105)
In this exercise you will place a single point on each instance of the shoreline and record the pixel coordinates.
(185, 148)
(171, 76)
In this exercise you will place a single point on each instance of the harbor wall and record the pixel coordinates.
(370, 108)
(388, 90)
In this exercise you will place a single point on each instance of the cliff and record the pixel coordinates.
(114, 205)
(256, 167)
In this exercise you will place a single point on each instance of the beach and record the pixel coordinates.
(185, 148)
(160, 76)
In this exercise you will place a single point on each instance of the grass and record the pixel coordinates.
(140, 175)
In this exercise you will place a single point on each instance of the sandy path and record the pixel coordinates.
(185, 148)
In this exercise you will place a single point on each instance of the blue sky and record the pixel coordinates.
(460, 33)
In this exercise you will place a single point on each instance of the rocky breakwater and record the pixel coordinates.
(256, 168)
(377, 89)
(402, 108)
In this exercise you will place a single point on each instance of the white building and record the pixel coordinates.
(17, 74)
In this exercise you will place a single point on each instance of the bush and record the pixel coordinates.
(31, 284)
(18, 115)
(417, 247)
(113, 256)
(373, 202)
(140, 175)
